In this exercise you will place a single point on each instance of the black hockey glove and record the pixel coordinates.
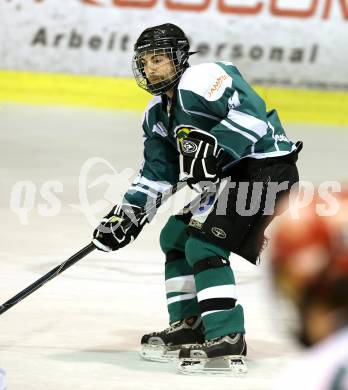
(120, 227)
(200, 158)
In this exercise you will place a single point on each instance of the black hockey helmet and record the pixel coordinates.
(166, 39)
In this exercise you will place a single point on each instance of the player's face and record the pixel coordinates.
(157, 67)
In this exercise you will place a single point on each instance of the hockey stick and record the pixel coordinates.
(75, 258)
(90, 247)
(44, 279)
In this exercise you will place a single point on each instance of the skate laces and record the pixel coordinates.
(173, 326)
(176, 325)
(194, 325)
(167, 330)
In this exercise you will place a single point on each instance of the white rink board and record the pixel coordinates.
(82, 330)
(279, 42)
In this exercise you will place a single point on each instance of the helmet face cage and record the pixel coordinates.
(175, 58)
(165, 40)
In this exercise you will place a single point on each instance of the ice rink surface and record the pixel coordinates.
(82, 330)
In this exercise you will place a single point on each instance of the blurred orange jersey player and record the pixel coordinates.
(309, 262)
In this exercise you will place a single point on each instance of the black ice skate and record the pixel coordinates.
(222, 355)
(165, 346)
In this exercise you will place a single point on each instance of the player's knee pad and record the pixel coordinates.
(197, 250)
(173, 236)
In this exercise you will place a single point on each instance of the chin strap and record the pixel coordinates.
(171, 111)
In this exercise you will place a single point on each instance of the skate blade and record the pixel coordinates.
(226, 366)
(159, 353)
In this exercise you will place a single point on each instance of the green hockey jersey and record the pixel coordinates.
(213, 97)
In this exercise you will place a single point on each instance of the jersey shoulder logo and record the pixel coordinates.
(217, 85)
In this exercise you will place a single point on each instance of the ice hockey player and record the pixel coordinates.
(309, 260)
(201, 119)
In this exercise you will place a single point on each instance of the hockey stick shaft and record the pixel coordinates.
(71, 261)
(49, 276)
(68, 263)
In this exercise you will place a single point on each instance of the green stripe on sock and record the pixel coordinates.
(177, 268)
(175, 294)
(224, 322)
(214, 277)
(183, 309)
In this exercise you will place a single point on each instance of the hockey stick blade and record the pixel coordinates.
(47, 277)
